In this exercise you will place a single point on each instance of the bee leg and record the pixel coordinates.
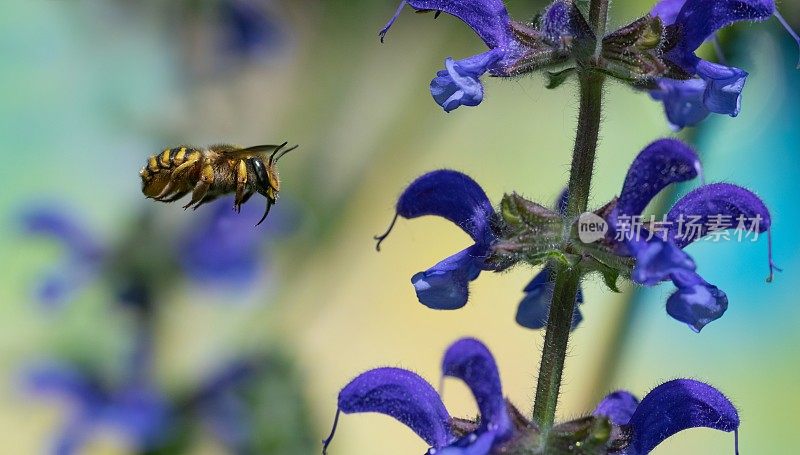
(241, 181)
(241, 201)
(177, 196)
(198, 194)
(206, 200)
(202, 187)
(176, 173)
(166, 191)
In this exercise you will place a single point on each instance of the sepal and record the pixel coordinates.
(528, 232)
(633, 53)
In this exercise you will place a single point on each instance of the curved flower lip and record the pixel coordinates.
(488, 18)
(408, 398)
(400, 394)
(722, 206)
(471, 361)
(699, 19)
(660, 164)
(672, 407)
(696, 302)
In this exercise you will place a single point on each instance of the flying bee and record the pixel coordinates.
(214, 171)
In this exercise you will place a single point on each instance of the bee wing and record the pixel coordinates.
(258, 150)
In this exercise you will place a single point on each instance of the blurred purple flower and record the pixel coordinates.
(136, 410)
(659, 254)
(672, 407)
(249, 28)
(219, 249)
(224, 248)
(83, 253)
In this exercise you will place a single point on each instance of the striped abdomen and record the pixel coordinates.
(176, 166)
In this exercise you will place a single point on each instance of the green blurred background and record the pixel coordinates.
(90, 89)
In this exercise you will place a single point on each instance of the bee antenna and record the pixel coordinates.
(382, 237)
(266, 212)
(283, 153)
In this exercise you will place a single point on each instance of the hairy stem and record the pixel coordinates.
(598, 17)
(568, 279)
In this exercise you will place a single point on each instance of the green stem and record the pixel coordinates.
(568, 279)
(598, 17)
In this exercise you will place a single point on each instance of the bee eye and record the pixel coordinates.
(261, 172)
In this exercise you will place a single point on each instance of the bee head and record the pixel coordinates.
(265, 180)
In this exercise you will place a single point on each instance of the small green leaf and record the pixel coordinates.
(555, 79)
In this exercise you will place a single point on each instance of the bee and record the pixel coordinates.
(211, 172)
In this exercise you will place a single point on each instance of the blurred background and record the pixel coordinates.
(131, 326)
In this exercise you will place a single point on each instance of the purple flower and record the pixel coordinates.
(712, 87)
(248, 27)
(672, 407)
(136, 410)
(455, 197)
(220, 406)
(459, 83)
(639, 426)
(223, 248)
(82, 259)
(534, 308)
(219, 249)
(407, 397)
(706, 210)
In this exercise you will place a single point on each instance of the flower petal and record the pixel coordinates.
(657, 260)
(667, 10)
(695, 303)
(470, 360)
(618, 406)
(445, 286)
(699, 19)
(61, 226)
(471, 444)
(719, 206)
(724, 85)
(459, 83)
(679, 405)
(660, 164)
(534, 309)
(683, 101)
(403, 395)
(488, 18)
(63, 381)
(453, 196)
